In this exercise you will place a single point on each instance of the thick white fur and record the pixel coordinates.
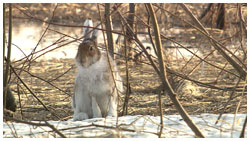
(95, 94)
(95, 107)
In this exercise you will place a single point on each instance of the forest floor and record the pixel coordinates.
(144, 84)
(143, 98)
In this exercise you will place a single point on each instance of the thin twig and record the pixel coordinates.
(236, 110)
(49, 82)
(212, 64)
(229, 99)
(149, 31)
(128, 90)
(45, 48)
(45, 31)
(20, 102)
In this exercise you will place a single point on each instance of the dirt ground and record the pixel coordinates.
(57, 90)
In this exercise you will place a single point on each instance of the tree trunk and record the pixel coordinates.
(109, 28)
(215, 15)
(131, 21)
(220, 22)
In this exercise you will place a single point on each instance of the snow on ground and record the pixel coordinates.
(140, 127)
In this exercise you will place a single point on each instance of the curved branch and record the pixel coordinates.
(163, 77)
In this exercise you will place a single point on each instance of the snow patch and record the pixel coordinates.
(132, 127)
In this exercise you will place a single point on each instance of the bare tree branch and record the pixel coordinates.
(164, 79)
(236, 66)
